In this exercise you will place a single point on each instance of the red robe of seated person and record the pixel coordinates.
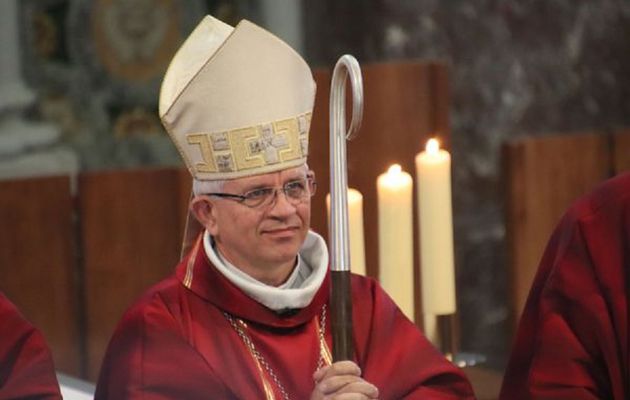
(26, 366)
(176, 343)
(572, 342)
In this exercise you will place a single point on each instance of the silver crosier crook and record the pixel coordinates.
(341, 301)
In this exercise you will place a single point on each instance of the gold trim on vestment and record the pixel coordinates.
(324, 351)
(269, 395)
(240, 326)
(265, 382)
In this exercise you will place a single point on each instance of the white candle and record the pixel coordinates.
(433, 168)
(355, 230)
(395, 237)
(430, 328)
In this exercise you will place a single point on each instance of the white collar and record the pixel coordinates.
(297, 292)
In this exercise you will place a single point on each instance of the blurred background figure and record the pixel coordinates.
(572, 341)
(26, 365)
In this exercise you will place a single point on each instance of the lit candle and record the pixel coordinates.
(433, 168)
(355, 230)
(430, 328)
(395, 237)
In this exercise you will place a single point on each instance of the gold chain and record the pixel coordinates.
(240, 327)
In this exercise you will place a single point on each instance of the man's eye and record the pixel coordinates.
(295, 185)
(258, 193)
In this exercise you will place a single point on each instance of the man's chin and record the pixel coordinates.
(283, 248)
(283, 254)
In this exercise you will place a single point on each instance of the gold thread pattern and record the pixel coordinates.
(240, 327)
(324, 351)
(206, 152)
(240, 139)
(253, 147)
(292, 150)
(265, 382)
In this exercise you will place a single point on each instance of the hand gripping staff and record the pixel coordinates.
(341, 300)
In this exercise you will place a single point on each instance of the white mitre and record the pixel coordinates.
(237, 102)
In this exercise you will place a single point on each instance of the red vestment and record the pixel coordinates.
(26, 366)
(176, 343)
(572, 341)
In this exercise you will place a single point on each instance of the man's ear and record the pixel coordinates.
(204, 210)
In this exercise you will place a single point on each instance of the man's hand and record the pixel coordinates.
(342, 381)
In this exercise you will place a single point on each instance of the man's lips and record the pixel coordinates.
(281, 232)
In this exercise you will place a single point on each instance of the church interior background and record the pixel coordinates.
(79, 83)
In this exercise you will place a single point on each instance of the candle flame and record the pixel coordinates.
(433, 146)
(394, 169)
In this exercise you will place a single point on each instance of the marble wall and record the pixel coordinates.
(517, 68)
(94, 68)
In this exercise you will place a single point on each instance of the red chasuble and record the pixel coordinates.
(572, 341)
(26, 366)
(177, 342)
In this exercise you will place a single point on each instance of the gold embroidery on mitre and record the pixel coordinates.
(289, 130)
(242, 145)
(202, 140)
(251, 147)
(304, 123)
(220, 141)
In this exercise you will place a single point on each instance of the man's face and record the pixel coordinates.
(264, 238)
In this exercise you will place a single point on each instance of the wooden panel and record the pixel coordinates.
(622, 150)
(132, 223)
(405, 104)
(37, 261)
(542, 177)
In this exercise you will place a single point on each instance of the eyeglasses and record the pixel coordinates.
(295, 192)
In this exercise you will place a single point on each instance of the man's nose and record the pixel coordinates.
(281, 205)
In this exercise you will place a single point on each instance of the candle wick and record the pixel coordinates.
(433, 146)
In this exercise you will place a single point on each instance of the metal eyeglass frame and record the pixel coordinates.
(311, 187)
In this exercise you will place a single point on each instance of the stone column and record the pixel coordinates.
(27, 148)
(14, 93)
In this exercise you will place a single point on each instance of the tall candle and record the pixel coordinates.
(355, 230)
(395, 237)
(433, 168)
(430, 328)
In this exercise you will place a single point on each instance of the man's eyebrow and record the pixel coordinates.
(295, 178)
(255, 186)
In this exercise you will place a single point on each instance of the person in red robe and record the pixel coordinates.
(246, 315)
(572, 341)
(26, 366)
(177, 342)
